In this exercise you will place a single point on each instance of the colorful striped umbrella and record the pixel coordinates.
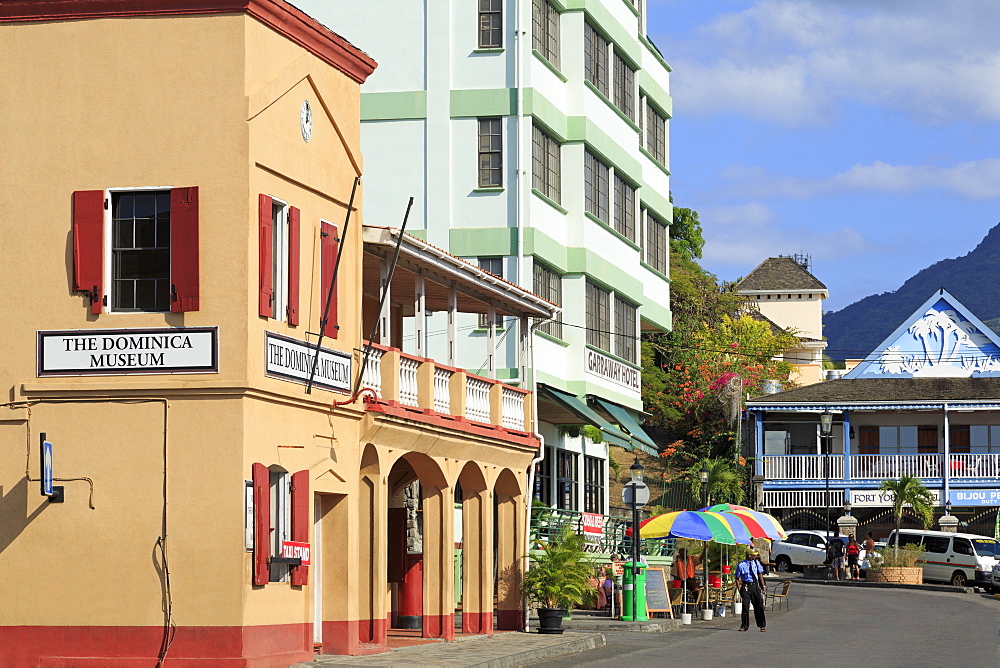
(695, 525)
(760, 525)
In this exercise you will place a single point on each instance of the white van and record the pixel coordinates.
(959, 558)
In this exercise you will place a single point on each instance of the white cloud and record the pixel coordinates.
(739, 237)
(974, 180)
(792, 61)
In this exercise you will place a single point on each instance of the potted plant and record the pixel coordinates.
(559, 576)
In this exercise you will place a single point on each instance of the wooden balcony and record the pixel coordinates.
(453, 397)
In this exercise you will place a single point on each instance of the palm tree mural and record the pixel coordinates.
(909, 491)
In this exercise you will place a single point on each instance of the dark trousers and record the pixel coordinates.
(751, 593)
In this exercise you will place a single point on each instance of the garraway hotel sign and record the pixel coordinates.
(106, 352)
(613, 370)
(290, 359)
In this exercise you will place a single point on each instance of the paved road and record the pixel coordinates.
(825, 626)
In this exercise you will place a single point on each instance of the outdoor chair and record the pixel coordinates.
(778, 594)
(677, 599)
(727, 596)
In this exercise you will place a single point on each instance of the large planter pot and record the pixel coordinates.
(550, 620)
(685, 618)
(896, 574)
(706, 614)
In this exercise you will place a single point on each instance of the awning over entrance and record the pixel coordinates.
(625, 419)
(576, 411)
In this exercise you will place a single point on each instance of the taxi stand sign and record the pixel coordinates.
(54, 493)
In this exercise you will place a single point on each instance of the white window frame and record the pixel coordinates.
(279, 257)
(280, 521)
(108, 244)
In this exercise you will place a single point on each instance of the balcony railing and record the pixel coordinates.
(425, 384)
(803, 467)
(880, 467)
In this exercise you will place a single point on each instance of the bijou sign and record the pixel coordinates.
(292, 360)
(613, 370)
(108, 352)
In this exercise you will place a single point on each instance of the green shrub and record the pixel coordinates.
(559, 574)
(908, 556)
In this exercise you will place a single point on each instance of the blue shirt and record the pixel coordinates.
(746, 570)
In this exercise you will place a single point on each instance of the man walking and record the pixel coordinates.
(750, 579)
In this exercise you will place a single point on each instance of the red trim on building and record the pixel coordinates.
(373, 631)
(342, 638)
(477, 622)
(88, 244)
(265, 257)
(458, 423)
(283, 18)
(261, 523)
(294, 252)
(329, 244)
(439, 626)
(184, 268)
(128, 646)
(510, 620)
(301, 500)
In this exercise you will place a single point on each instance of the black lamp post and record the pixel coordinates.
(847, 508)
(703, 477)
(947, 508)
(636, 470)
(825, 426)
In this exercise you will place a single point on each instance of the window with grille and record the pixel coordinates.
(596, 59)
(624, 87)
(140, 251)
(545, 30)
(490, 153)
(655, 243)
(624, 208)
(547, 284)
(494, 265)
(596, 175)
(490, 24)
(593, 485)
(545, 164)
(598, 317)
(656, 133)
(625, 339)
(566, 480)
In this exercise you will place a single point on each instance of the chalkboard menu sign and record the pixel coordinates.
(657, 597)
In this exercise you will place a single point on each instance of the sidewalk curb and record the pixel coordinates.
(886, 585)
(574, 646)
(659, 626)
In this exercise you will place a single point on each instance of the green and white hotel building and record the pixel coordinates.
(533, 136)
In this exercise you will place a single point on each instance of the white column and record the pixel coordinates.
(491, 331)
(385, 332)
(420, 319)
(452, 327)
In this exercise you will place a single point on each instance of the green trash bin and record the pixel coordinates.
(634, 593)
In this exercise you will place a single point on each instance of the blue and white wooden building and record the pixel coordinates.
(925, 402)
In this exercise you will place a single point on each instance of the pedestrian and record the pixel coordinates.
(835, 555)
(686, 569)
(869, 544)
(750, 580)
(853, 550)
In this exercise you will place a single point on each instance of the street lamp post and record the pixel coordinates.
(703, 477)
(636, 483)
(825, 425)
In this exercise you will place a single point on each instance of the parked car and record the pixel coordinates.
(803, 547)
(957, 558)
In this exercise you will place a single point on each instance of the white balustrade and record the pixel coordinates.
(477, 400)
(881, 467)
(512, 409)
(803, 498)
(975, 466)
(803, 467)
(408, 381)
(442, 389)
(373, 371)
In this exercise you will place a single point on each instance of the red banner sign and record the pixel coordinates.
(593, 524)
(292, 549)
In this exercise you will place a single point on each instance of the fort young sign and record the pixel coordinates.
(107, 352)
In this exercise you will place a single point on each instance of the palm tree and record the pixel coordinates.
(909, 491)
(724, 484)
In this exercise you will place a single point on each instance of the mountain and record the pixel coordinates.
(974, 279)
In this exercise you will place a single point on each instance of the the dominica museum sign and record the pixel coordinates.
(106, 352)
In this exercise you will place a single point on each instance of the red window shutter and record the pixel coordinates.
(300, 520)
(88, 245)
(293, 266)
(266, 258)
(262, 523)
(329, 243)
(184, 276)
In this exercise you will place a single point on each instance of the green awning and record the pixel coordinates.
(572, 403)
(624, 417)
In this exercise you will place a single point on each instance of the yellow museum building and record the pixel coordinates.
(183, 479)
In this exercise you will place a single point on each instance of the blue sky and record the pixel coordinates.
(864, 133)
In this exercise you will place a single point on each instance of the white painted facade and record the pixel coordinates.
(420, 124)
